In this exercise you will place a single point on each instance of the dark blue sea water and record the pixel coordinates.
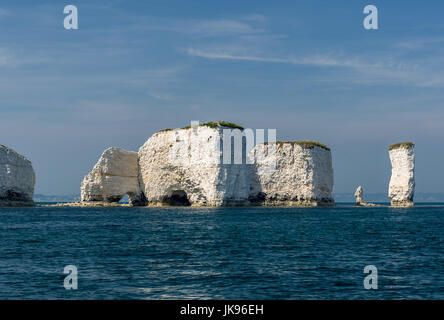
(238, 253)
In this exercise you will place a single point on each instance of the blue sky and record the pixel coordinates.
(307, 68)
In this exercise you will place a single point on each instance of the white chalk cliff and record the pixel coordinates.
(115, 175)
(187, 167)
(303, 174)
(17, 179)
(402, 182)
(184, 166)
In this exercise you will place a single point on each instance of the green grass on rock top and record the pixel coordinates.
(306, 144)
(401, 145)
(212, 124)
(217, 124)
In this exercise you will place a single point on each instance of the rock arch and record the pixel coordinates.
(114, 176)
(176, 198)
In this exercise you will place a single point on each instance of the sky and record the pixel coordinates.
(306, 68)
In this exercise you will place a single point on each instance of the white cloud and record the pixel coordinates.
(214, 28)
(417, 44)
(255, 18)
(4, 61)
(389, 71)
(207, 28)
(315, 60)
(159, 95)
(7, 59)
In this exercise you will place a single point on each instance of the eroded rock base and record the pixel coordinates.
(403, 204)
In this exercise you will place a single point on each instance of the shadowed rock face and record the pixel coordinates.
(114, 175)
(402, 181)
(17, 179)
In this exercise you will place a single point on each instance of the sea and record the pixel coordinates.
(222, 253)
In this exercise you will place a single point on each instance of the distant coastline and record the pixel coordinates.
(56, 198)
(339, 197)
(382, 197)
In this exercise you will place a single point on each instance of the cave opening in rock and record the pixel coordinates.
(177, 198)
(113, 198)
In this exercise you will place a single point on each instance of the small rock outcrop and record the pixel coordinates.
(303, 174)
(17, 179)
(359, 194)
(114, 176)
(402, 181)
(184, 167)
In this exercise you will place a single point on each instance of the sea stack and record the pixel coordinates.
(303, 174)
(359, 196)
(185, 167)
(17, 179)
(114, 176)
(402, 182)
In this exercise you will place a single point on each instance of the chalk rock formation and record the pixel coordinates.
(402, 182)
(17, 179)
(185, 167)
(302, 176)
(114, 175)
(208, 165)
(359, 196)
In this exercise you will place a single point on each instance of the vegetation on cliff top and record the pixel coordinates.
(211, 124)
(215, 124)
(401, 145)
(306, 144)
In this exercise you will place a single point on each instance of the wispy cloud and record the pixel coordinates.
(7, 59)
(254, 17)
(160, 95)
(386, 70)
(213, 28)
(248, 25)
(315, 60)
(417, 44)
(4, 60)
